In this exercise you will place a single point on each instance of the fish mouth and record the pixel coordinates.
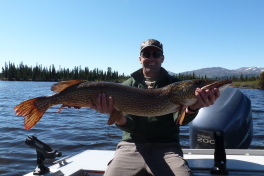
(218, 84)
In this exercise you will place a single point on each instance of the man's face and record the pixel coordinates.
(151, 59)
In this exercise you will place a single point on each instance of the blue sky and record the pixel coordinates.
(107, 33)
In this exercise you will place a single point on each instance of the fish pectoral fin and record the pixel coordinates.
(61, 86)
(62, 106)
(115, 117)
(181, 114)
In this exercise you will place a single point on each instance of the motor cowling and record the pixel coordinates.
(232, 114)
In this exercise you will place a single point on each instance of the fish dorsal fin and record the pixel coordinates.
(61, 86)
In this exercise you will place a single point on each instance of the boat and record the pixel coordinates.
(220, 136)
(201, 161)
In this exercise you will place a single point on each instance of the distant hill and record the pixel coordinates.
(219, 72)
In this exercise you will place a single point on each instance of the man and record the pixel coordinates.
(150, 145)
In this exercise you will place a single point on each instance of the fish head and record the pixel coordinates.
(183, 93)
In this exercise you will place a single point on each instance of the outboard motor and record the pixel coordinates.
(232, 114)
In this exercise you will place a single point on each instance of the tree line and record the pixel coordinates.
(252, 80)
(241, 78)
(23, 72)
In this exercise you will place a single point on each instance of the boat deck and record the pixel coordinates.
(94, 162)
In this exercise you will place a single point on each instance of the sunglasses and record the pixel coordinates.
(154, 54)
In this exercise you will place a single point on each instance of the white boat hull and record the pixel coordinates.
(94, 162)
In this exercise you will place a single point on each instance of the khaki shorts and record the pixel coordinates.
(145, 159)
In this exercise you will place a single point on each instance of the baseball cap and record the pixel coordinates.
(151, 43)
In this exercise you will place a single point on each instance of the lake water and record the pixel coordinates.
(74, 130)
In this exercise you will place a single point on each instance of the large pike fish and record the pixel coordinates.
(141, 102)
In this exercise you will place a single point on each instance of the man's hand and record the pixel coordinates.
(101, 104)
(102, 107)
(205, 98)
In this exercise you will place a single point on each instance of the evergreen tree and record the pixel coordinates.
(261, 81)
(241, 77)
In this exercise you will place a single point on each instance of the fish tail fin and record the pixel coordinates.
(115, 117)
(32, 110)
